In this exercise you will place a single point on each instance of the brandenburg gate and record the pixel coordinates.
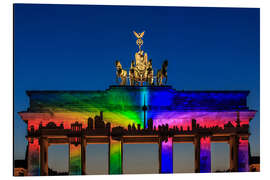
(141, 112)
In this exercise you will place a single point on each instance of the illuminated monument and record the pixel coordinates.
(145, 111)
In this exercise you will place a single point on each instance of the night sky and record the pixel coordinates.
(74, 47)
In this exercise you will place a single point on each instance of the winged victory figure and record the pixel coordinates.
(139, 35)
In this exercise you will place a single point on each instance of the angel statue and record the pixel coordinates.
(141, 60)
(140, 70)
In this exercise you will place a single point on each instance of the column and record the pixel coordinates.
(115, 156)
(75, 166)
(233, 153)
(33, 157)
(202, 154)
(243, 165)
(83, 161)
(166, 156)
(43, 156)
(205, 155)
(197, 153)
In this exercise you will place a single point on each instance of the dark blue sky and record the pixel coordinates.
(65, 47)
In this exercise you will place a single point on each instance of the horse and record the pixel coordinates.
(150, 73)
(120, 73)
(162, 73)
(132, 73)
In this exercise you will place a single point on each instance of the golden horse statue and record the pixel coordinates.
(120, 73)
(162, 73)
(132, 74)
(150, 73)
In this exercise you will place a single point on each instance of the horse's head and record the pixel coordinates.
(118, 65)
(165, 63)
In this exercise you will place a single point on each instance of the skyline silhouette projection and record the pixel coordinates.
(118, 115)
(67, 59)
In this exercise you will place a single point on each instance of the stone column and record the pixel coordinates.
(44, 156)
(233, 153)
(33, 154)
(197, 153)
(115, 156)
(75, 165)
(205, 155)
(202, 154)
(166, 156)
(243, 164)
(83, 153)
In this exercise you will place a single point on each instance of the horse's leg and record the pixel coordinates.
(130, 81)
(152, 78)
(121, 83)
(157, 78)
(166, 79)
(117, 81)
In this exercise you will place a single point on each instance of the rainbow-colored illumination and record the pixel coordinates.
(75, 167)
(115, 157)
(243, 156)
(205, 155)
(33, 157)
(122, 106)
(167, 156)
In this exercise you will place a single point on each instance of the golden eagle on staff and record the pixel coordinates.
(139, 41)
(139, 35)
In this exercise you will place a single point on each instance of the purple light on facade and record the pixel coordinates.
(205, 155)
(243, 156)
(167, 156)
